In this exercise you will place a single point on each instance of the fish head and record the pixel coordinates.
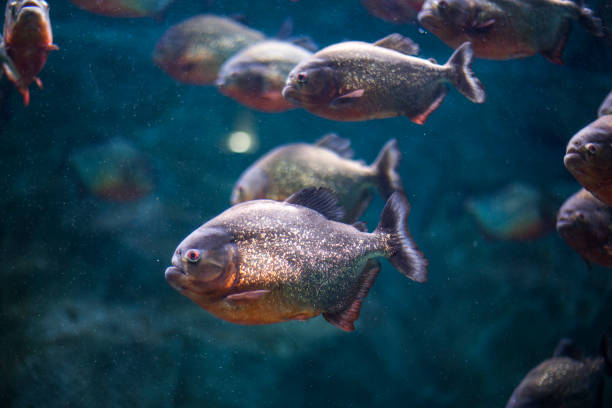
(312, 82)
(242, 79)
(446, 18)
(205, 264)
(184, 59)
(589, 152)
(252, 185)
(583, 221)
(27, 15)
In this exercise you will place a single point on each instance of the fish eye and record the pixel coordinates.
(301, 78)
(193, 256)
(442, 5)
(591, 148)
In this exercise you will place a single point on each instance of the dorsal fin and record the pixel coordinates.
(399, 43)
(568, 348)
(338, 145)
(319, 199)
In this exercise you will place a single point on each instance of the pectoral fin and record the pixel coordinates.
(346, 99)
(244, 298)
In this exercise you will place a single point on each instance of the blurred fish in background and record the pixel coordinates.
(567, 380)
(125, 8)
(193, 50)
(518, 211)
(585, 223)
(114, 170)
(394, 11)
(26, 44)
(256, 75)
(326, 163)
(502, 29)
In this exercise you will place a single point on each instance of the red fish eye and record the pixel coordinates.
(591, 148)
(301, 78)
(193, 255)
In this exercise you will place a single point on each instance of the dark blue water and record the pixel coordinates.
(88, 319)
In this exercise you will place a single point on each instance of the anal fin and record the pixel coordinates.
(555, 54)
(422, 117)
(345, 319)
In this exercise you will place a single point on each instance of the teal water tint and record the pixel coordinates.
(89, 320)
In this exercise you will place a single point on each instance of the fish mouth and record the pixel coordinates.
(428, 19)
(573, 159)
(564, 223)
(174, 272)
(291, 94)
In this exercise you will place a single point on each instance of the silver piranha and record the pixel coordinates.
(327, 163)
(353, 81)
(266, 261)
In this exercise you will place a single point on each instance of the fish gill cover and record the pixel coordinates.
(87, 316)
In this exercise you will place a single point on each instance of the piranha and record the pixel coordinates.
(394, 11)
(114, 170)
(516, 212)
(124, 8)
(266, 261)
(504, 29)
(193, 50)
(326, 163)
(606, 105)
(354, 81)
(27, 41)
(256, 75)
(585, 223)
(589, 158)
(567, 380)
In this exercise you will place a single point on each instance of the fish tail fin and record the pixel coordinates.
(590, 21)
(462, 76)
(403, 253)
(606, 350)
(385, 167)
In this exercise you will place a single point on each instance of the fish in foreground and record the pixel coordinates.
(567, 380)
(114, 170)
(256, 75)
(326, 163)
(26, 44)
(266, 261)
(606, 105)
(354, 81)
(519, 211)
(394, 11)
(585, 223)
(589, 158)
(124, 8)
(193, 50)
(504, 29)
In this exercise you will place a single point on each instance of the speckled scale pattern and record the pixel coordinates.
(561, 382)
(393, 82)
(307, 260)
(294, 167)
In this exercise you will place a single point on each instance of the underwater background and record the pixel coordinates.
(88, 319)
